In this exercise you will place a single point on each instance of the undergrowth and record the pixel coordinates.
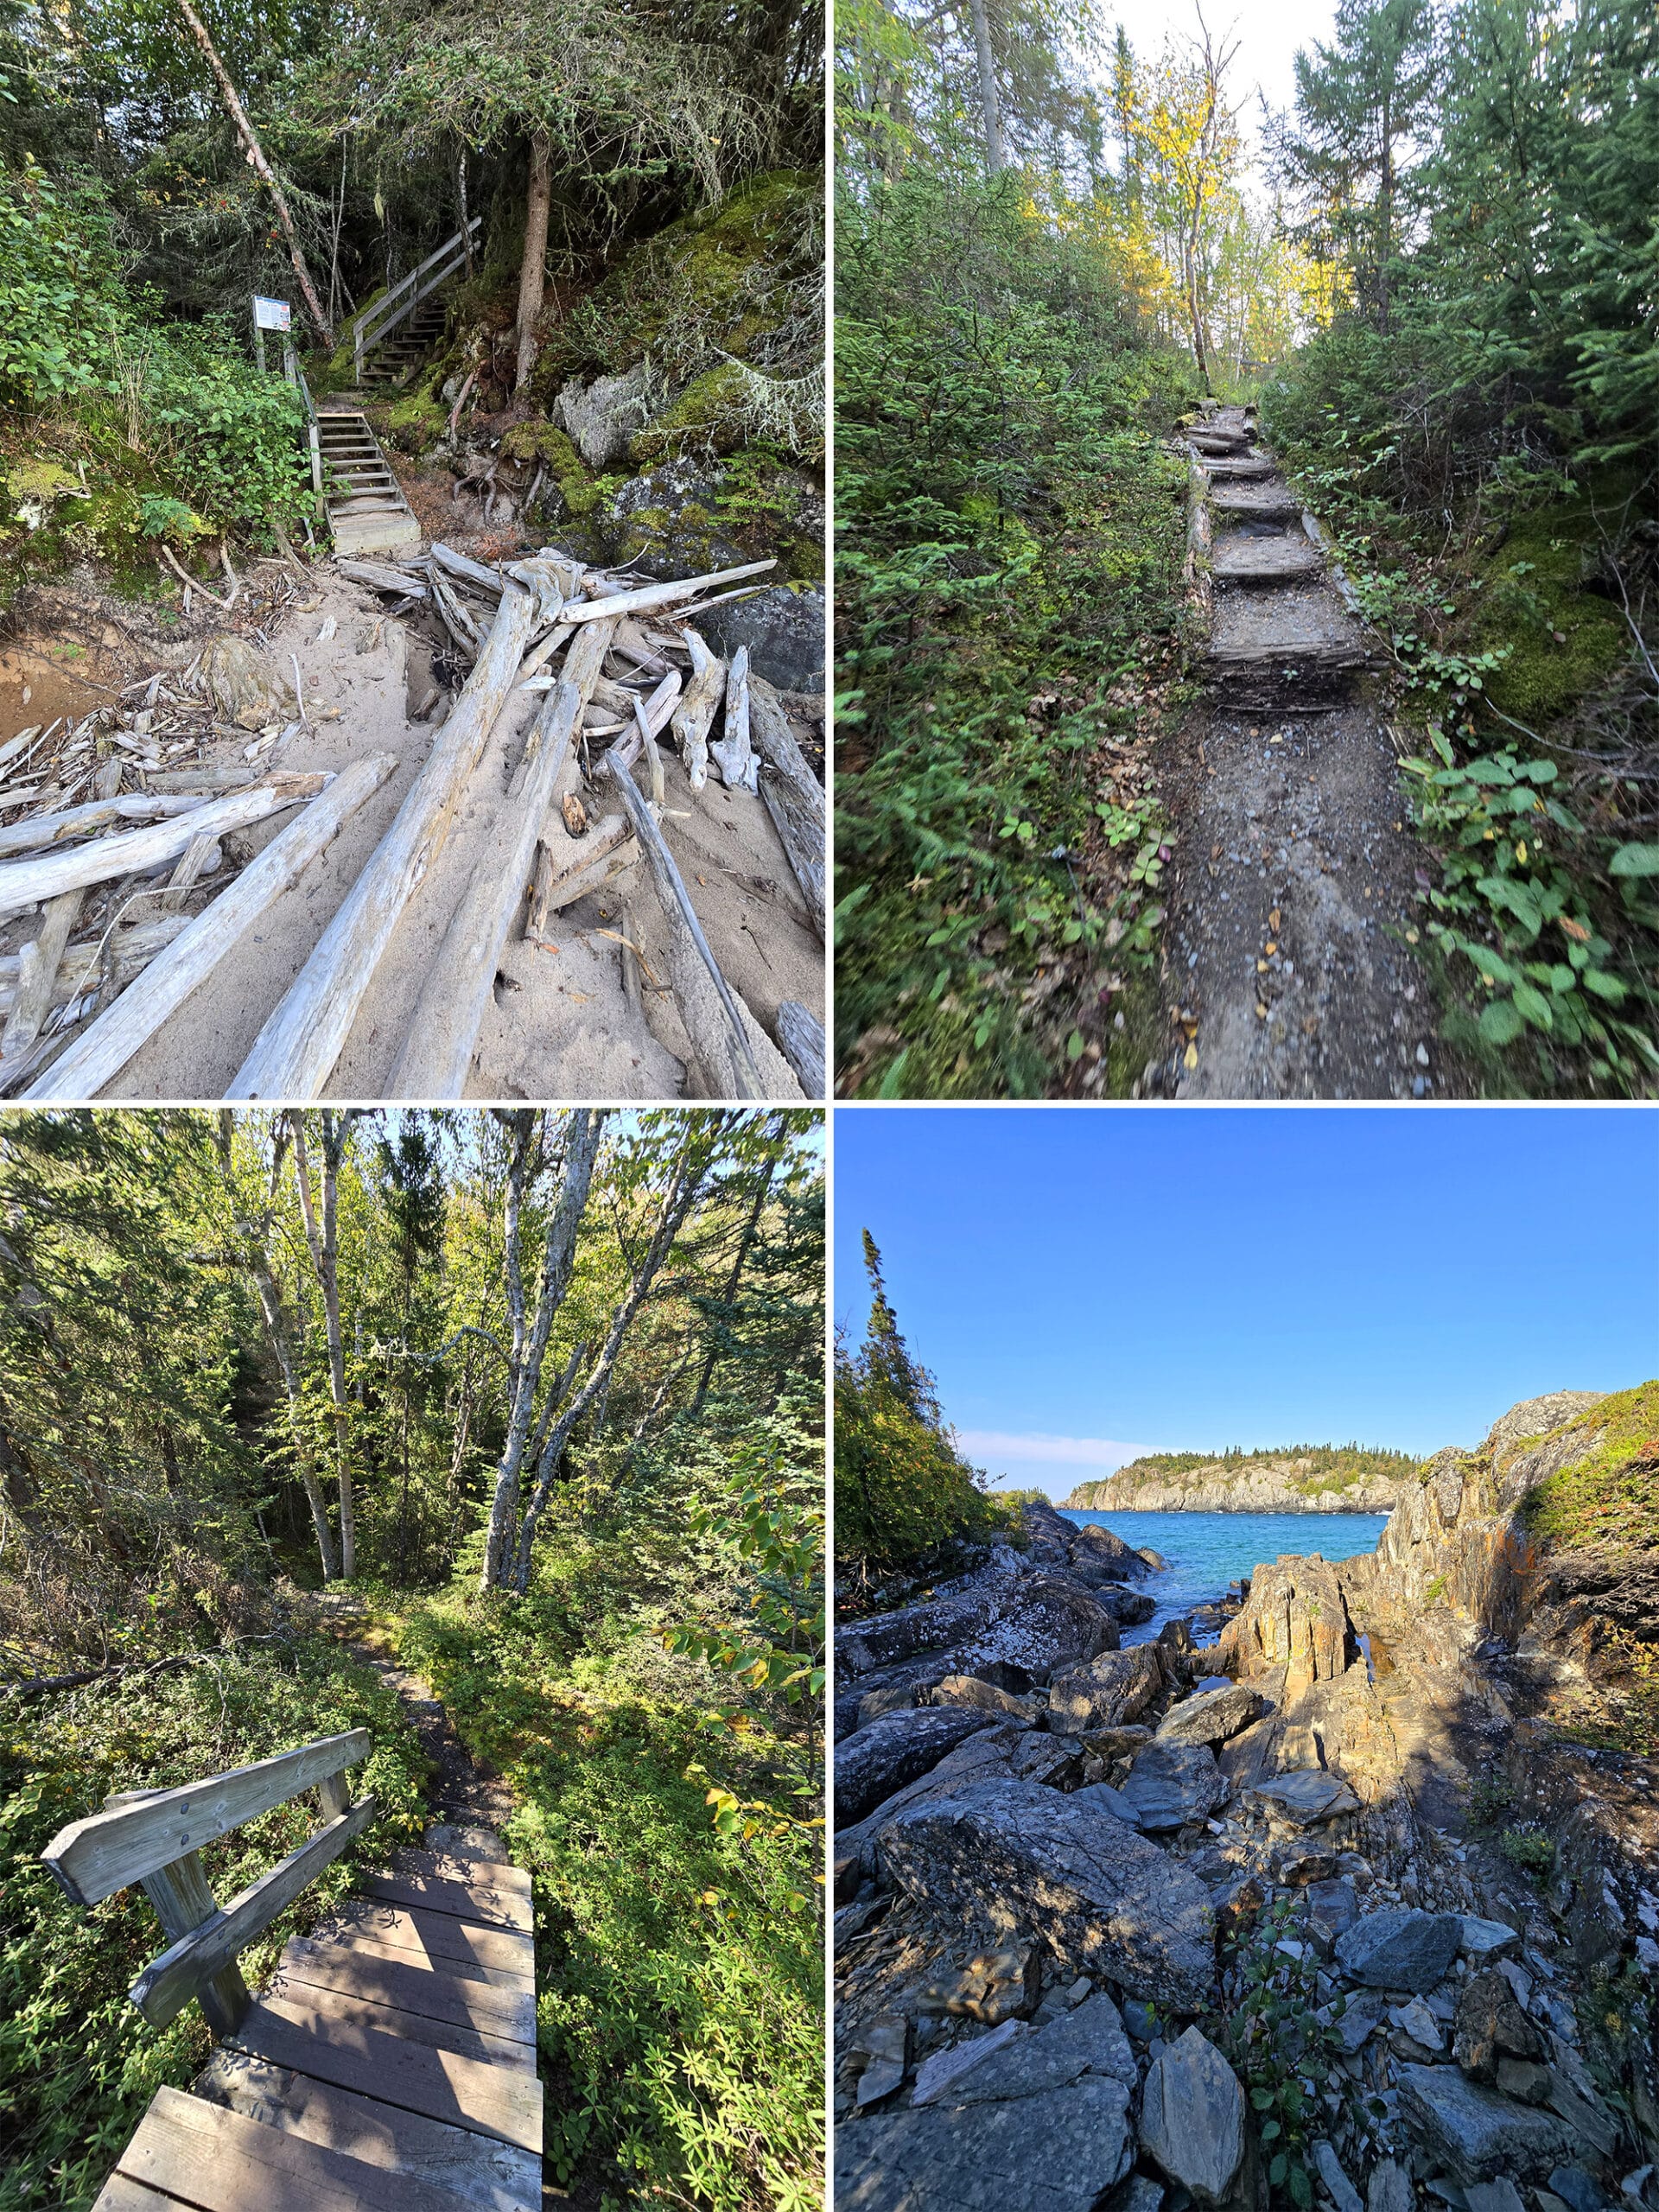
(78, 2063)
(1008, 595)
(678, 1962)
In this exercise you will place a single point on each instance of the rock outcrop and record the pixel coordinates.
(1265, 1482)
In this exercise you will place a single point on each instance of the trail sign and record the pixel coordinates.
(271, 315)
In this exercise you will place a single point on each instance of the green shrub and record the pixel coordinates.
(78, 2063)
(1528, 1847)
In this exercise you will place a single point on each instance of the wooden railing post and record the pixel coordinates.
(182, 1900)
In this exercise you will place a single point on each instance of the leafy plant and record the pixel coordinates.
(1528, 1847)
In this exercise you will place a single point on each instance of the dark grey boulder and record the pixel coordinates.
(1475, 2133)
(1040, 1623)
(1100, 1798)
(1306, 1797)
(1192, 2118)
(1215, 1716)
(1106, 1691)
(1088, 2040)
(885, 1754)
(1400, 1948)
(784, 630)
(1102, 1547)
(1105, 1901)
(885, 1638)
(1056, 2151)
(1170, 1784)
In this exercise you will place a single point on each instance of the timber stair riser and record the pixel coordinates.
(1281, 642)
(389, 2065)
(364, 503)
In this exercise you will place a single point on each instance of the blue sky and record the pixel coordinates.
(1087, 1283)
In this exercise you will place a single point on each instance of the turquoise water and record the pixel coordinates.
(1206, 1551)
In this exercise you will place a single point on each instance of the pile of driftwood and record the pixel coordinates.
(635, 674)
(109, 824)
(620, 669)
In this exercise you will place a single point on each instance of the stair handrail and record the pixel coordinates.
(154, 1837)
(374, 322)
(312, 435)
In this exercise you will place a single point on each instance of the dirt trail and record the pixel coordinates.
(1289, 972)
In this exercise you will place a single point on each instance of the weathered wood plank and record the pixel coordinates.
(649, 596)
(412, 1987)
(93, 1857)
(462, 1867)
(220, 2161)
(331, 2011)
(183, 1904)
(295, 1053)
(101, 1051)
(355, 1943)
(801, 1034)
(438, 1935)
(167, 1986)
(495, 2100)
(488, 2175)
(120, 2194)
(466, 1900)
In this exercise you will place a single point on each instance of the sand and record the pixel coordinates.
(561, 1025)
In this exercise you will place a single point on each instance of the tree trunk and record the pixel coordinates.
(261, 168)
(325, 1258)
(256, 1262)
(990, 114)
(685, 1186)
(532, 275)
(529, 1339)
(761, 1191)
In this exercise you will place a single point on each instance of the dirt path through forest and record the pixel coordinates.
(1289, 971)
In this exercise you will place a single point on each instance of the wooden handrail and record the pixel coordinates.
(154, 1837)
(374, 322)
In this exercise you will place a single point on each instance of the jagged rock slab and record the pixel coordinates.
(1090, 2039)
(1214, 1715)
(1400, 1948)
(971, 1690)
(1046, 1621)
(1057, 2151)
(1171, 1784)
(1103, 1547)
(1036, 1621)
(1338, 2187)
(1105, 1691)
(1241, 559)
(1296, 1617)
(887, 1753)
(1476, 2132)
(1015, 1856)
(1192, 2118)
(1100, 1798)
(1306, 1796)
(1491, 2026)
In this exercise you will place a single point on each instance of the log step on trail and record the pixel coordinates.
(1290, 967)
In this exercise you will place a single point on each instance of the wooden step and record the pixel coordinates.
(502, 2101)
(439, 1937)
(462, 1867)
(501, 1908)
(414, 1986)
(187, 2151)
(342, 2018)
(1241, 559)
(485, 2174)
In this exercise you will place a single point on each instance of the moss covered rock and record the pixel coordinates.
(1539, 597)
(578, 490)
(689, 516)
(709, 416)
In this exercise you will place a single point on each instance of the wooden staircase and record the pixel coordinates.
(366, 510)
(390, 2063)
(391, 362)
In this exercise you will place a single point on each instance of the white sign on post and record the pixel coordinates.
(271, 314)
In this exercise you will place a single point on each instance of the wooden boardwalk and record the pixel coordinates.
(389, 2064)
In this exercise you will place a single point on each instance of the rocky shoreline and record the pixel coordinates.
(1324, 1912)
(1255, 1485)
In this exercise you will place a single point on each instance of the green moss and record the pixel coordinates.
(1609, 1497)
(1565, 640)
(415, 423)
(708, 417)
(537, 440)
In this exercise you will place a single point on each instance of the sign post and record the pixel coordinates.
(272, 314)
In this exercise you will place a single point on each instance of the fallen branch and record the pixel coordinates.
(792, 795)
(137, 852)
(295, 1053)
(98, 1055)
(191, 583)
(650, 595)
(36, 832)
(437, 1051)
(603, 853)
(801, 1034)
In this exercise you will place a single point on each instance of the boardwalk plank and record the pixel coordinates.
(464, 1900)
(498, 2100)
(439, 1936)
(413, 1987)
(456, 1864)
(120, 2194)
(352, 1942)
(306, 2004)
(219, 2161)
(486, 2174)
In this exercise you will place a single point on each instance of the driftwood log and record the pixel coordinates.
(135, 852)
(801, 1034)
(696, 709)
(295, 1053)
(103, 1050)
(607, 850)
(437, 1052)
(793, 795)
(645, 596)
(120, 955)
(38, 963)
(733, 755)
(36, 832)
(736, 1057)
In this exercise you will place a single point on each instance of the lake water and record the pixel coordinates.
(1206, 1551)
